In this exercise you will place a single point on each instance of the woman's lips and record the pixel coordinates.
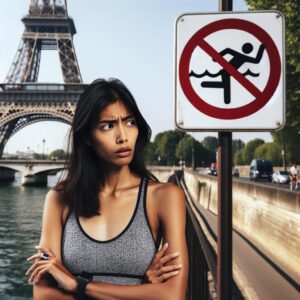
(123, 149)
(123, 153)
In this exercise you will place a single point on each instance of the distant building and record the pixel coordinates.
(25, 155)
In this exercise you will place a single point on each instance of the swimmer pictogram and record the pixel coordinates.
(237, 60)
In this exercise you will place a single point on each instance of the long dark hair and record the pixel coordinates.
(85, 172)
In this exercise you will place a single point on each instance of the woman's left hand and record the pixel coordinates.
(52, 266)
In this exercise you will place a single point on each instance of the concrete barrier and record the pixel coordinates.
(269, 217)
(162, 173)
(244, 170)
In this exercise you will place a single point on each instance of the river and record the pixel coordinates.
(21, 210)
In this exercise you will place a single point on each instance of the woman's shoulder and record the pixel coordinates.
(168, 197)
(55, 202)
(165, 191)
(54, 198)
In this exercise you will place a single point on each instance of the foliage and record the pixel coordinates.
(238, 158)
(237, 145)
(269, 151)
(169, 147)
(165, 144)
(248, 150)
(210, 143)
(58, 154)
(289, 141)
(150, 155)
(289, 137)
(37, 155)
(202, 156)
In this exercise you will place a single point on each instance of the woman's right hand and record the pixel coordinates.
(157, 272)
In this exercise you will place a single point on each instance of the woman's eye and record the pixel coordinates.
(107, 126)
(132, 122)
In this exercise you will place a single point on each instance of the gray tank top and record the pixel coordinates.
(123, 259)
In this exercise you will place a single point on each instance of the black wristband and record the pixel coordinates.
(81, 285)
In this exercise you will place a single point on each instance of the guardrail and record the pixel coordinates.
(202, 263)
(202, 279)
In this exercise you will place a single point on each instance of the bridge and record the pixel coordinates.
(34, 172)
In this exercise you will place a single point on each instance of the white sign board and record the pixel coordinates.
(230, 71)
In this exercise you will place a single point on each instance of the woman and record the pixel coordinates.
(103, 224)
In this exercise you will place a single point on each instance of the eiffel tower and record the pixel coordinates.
(23, 101)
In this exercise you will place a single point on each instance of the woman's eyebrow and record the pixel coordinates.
(115, 120)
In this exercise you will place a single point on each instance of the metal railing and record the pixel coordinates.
(202, 278)
(41, 87)
(202, 264)
(40, 92)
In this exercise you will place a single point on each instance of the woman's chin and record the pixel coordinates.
(120, 162)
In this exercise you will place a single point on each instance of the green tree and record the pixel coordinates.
(248, 150)
(185, 150)
(289, 137)
(58, 154)
(37, 155)
(165, 144)
(151, 158)
(210, 143)
(238, 158)
(237, 145)
(269, 151)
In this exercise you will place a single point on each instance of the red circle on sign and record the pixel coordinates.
(258, 102)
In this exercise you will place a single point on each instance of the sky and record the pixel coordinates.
(132, 40)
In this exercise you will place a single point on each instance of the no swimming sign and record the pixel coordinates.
(229, 71)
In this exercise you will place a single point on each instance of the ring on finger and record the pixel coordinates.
(44, 256)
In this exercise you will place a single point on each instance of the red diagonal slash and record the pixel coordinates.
(229, 68)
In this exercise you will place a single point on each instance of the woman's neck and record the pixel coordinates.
(118, 178)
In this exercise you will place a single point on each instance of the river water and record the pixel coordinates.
(21, 210)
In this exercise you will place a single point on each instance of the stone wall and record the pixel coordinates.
(268, 216)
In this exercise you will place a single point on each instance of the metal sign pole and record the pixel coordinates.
(224, 260)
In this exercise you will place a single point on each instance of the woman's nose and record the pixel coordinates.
(122, 134)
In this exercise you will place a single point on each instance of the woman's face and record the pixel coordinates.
(115, 134)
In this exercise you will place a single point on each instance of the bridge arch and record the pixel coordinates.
(19, 120)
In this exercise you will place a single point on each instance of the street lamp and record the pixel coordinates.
(283, 150)
(44, 141)
(283, 159)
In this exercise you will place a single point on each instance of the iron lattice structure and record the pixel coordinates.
(47, 27)
(22, 100)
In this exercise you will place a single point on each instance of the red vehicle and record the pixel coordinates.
(213, 166)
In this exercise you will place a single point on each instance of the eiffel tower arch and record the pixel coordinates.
(24, 101)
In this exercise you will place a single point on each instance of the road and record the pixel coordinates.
(262, 181)
(266, 182)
